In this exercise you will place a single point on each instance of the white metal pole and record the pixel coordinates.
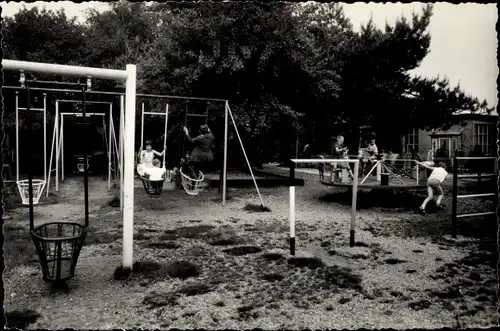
(128, 211)
(56, 123)
(245, 155)
(52, 148)
(109, 145)
(379, 168)
(354, 202)
(122, 130)
(17, 137)
(62, 147)
(418, 174)
(224, 166)
(142, 126)
(45, 140)
(66, 70)
(165, 136)
(292, 220)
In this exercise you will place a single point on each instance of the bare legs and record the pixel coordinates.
(430, 196)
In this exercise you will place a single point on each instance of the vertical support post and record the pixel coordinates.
(292, 208)
(62, 146)
(224, 166)
(45, 139)
(85, 158)
(354, 204)
(165, 136)
(142, 126)
(379, 170)
(454, 198)
(418, 174)
(56, 123)
(110, 142)
(17, 136)
(128, 211)
(122, 130)
(31, 158)
(52, 148)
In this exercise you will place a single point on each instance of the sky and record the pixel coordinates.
(463, 37)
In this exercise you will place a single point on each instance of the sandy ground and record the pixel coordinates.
(405, 272)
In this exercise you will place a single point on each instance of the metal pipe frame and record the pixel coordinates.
(130, 77)
(292, 197)
(112, 137)
(140, 95)
(44, 110)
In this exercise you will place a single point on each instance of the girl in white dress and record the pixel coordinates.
(146, 157)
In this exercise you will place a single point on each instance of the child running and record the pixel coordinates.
(434, 182)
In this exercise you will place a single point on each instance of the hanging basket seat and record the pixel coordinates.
(58, 245)
(153, 187)
(190, 185)
(37, 188)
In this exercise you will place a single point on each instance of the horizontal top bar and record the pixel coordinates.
(114, 93)
(86, 101)
(322, 160)
(197, 115)
(66, 70)
(476, 214)
(152, 113)
(477, 176)
(54, 82)
(476, 158)
(35, 109)
(476, 195)
(86, 114)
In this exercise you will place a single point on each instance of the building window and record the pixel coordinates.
(412, 141)
(482, 137)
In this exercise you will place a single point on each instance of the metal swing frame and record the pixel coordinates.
(39, 185)
(57, 147)
(154, 188)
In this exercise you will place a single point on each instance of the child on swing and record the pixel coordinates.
(156, 173)
(146, 156)
(434, 183)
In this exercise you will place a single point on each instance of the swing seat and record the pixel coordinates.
(153, 187)
(190, 185)
(58, 245)
(37, 188)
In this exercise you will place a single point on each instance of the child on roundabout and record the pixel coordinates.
(202, 151)
(434, 183)
(340, 152)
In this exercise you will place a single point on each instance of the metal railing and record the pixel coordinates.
(456, 196)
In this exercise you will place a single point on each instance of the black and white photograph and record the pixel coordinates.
(249, 165)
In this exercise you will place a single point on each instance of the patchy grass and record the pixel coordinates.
(203, 266)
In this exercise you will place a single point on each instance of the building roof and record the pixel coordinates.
(449, 132)
(468, 112)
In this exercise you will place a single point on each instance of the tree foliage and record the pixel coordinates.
(287, 69)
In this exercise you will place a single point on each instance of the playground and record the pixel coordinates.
(200, 265)
(195, 208)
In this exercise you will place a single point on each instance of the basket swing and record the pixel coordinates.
(58, 243)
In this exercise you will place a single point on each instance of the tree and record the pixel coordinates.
(376, 69)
